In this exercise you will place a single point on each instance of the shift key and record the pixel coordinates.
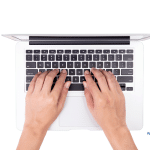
(125, 78)
(31, 71)
(126, 71)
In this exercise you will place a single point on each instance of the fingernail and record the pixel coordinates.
(64, 71)
(100, 69)
(87, 72)
(57, 70)
(85, 84)
(67, 85)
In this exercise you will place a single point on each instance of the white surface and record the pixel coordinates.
(67, 17)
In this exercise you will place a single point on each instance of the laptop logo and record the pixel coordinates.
(148, 133)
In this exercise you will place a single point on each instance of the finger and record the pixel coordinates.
(88, 96)
(63, 95)
(40, 81)
(49, 80)
(101, 79)
(32, 83)
(59, 84)
(118, 87)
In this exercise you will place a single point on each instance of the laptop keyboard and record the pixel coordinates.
(118, 61)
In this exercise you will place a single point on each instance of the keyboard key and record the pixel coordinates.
(80, 57)
(69, 64)
(118, 57)
(75, 51)
(41, 70)
(116, 71)
(73, 57)
(129, 88)
(58, 57)
(84, 64)
(68, 51)
(62, 64)
(27, 86)
(59, 51)
(90, 51)
(52, 51)
(96, 57)
(103, 57)
(75, 79)
(36, 51)
(82, 51)
(88, 57)
(68, 78)
(125, 78)
(40, 64)
(122, 64)
(44, 57)
(114, 64)
(111, 57)
(129, 64)
(36, 57)
(77, 64)
(28, 57)
(128, 57)
(92, 64)
(79, 72)
(106, 64)
(121, 51)
(29, 78)
(106, 51)
(54, 64)
(51, 57)
(30, 64)
(126, 71)
(99, 64)
(114, 51)
(82, 78)
(130, 51)
(47, 64)
(98, 51)
(71, 71)
(44, 51)
(76, 87)
(28, 51)
(109, 70)
(31, 71)
(66, 57)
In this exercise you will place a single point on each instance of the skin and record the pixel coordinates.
(107, 106)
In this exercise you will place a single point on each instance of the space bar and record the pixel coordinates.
(76, 87)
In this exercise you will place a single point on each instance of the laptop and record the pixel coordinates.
(122, 54)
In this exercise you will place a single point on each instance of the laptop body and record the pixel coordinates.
(121, 54)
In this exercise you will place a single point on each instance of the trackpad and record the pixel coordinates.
(76, 114)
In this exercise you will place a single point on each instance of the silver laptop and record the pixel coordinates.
(121, 54)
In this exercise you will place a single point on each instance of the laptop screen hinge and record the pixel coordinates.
(79, 40)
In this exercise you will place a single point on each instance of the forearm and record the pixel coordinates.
(121, 139)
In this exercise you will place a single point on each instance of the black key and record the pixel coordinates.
(40, 64)
(96, 57)
(68, 78)
(30, 64)
(28, 57)
(109, 70)
(54, 64)
(88, 57)
(126, 71)
(114, 51)
(129, 88)
(36, 51)
(130, 51)
(77, 64)
(128, 57)
(62, 64)
(41, 70)
(84, 64)
(52, 51)
(122, 85)
(28, 51)
(31, 71)
(69, 64)
(66, 57)
(36, 57)
(129, 64)
(125, 78)
(122, 88)
(122, 64)
(82, 78)
(118, 57)
(29, 78)
(99, 64)
(116, 71)
(82, 51)
(75, 79)
(73, 57)
(44, 51)
(106, 51)
(55, 79)
(47, 64)
(75, 51)
(68, 51)
(79, 72)
(44, 57)
(106, 64)
(114, 64)
(58, 57)
(80, 57)
(98, 51)
(92, 64)
(90, 51)
(60, 51)
(71, 71)
(51, 57)
(121, 51)
(76, 87)
(103, 57)
(111, 57)
(27, 86)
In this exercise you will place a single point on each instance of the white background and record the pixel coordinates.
(67, 16)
